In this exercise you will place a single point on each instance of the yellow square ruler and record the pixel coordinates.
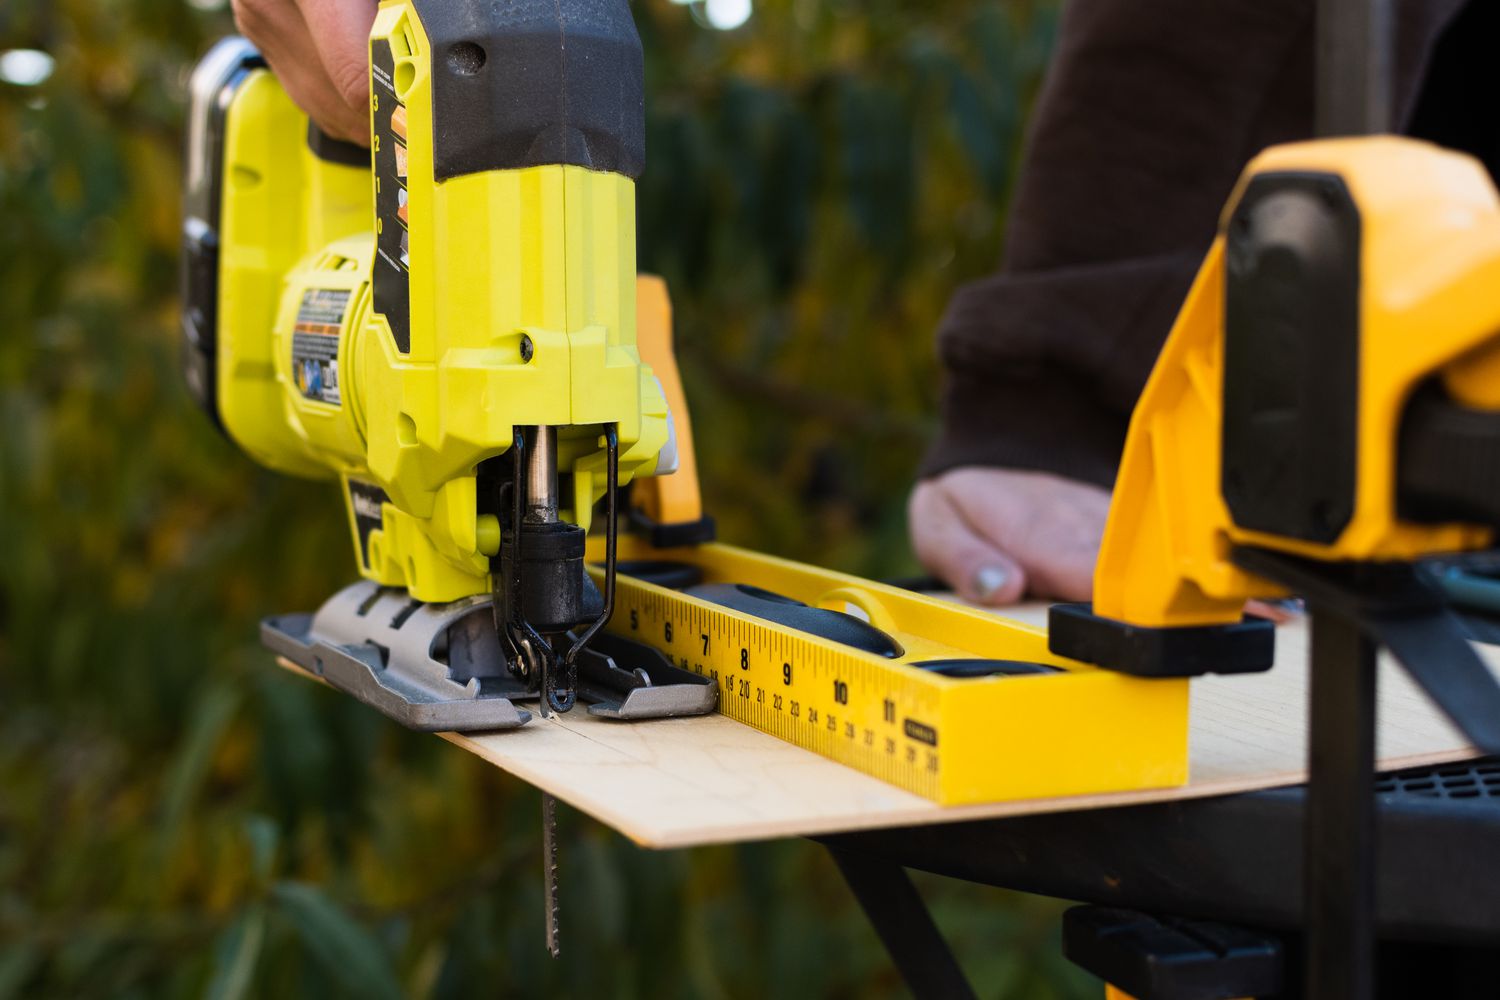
(952, 703)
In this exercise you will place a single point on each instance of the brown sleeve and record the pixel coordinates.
(1149, 114)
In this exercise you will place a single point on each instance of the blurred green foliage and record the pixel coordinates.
(180, 818)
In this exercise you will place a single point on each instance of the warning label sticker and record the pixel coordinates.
(315, 343)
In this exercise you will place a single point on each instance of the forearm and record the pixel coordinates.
(1030, 382)
(1149, 113)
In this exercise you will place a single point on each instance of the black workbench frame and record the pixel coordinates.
(1236, 859)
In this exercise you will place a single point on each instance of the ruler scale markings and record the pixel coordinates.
(878, 716)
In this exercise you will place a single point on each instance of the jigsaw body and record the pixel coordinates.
(444, 323)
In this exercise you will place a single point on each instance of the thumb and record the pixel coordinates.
(952, 551)
(341, 34)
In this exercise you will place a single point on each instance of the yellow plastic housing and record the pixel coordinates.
(542, 254)
(953, 740)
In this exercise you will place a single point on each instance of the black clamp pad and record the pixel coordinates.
(1245, 647)
(1169, 958)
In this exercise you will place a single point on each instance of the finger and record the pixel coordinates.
(1052, 528)
(1280, 612)
(312, 90)
(1067, 576)
(340, 32)
(279, 32)
(951, 550)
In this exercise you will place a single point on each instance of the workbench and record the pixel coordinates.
(1235, 859)
(1227, 846)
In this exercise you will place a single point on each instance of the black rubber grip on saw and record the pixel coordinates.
(530, 83)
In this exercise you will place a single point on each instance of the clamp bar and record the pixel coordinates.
(1339, 841)
(1354, 62)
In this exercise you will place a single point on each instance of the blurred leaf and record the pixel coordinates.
(599, 877)
(982, 134)
(211, 714)
(236, 955)
(348, 954)
(264, 838)
(18, 961)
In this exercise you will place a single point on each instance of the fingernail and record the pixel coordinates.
(989, 580)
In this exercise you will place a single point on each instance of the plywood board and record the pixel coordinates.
(684, 782)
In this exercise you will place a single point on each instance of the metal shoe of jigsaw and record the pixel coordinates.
(452, 338)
